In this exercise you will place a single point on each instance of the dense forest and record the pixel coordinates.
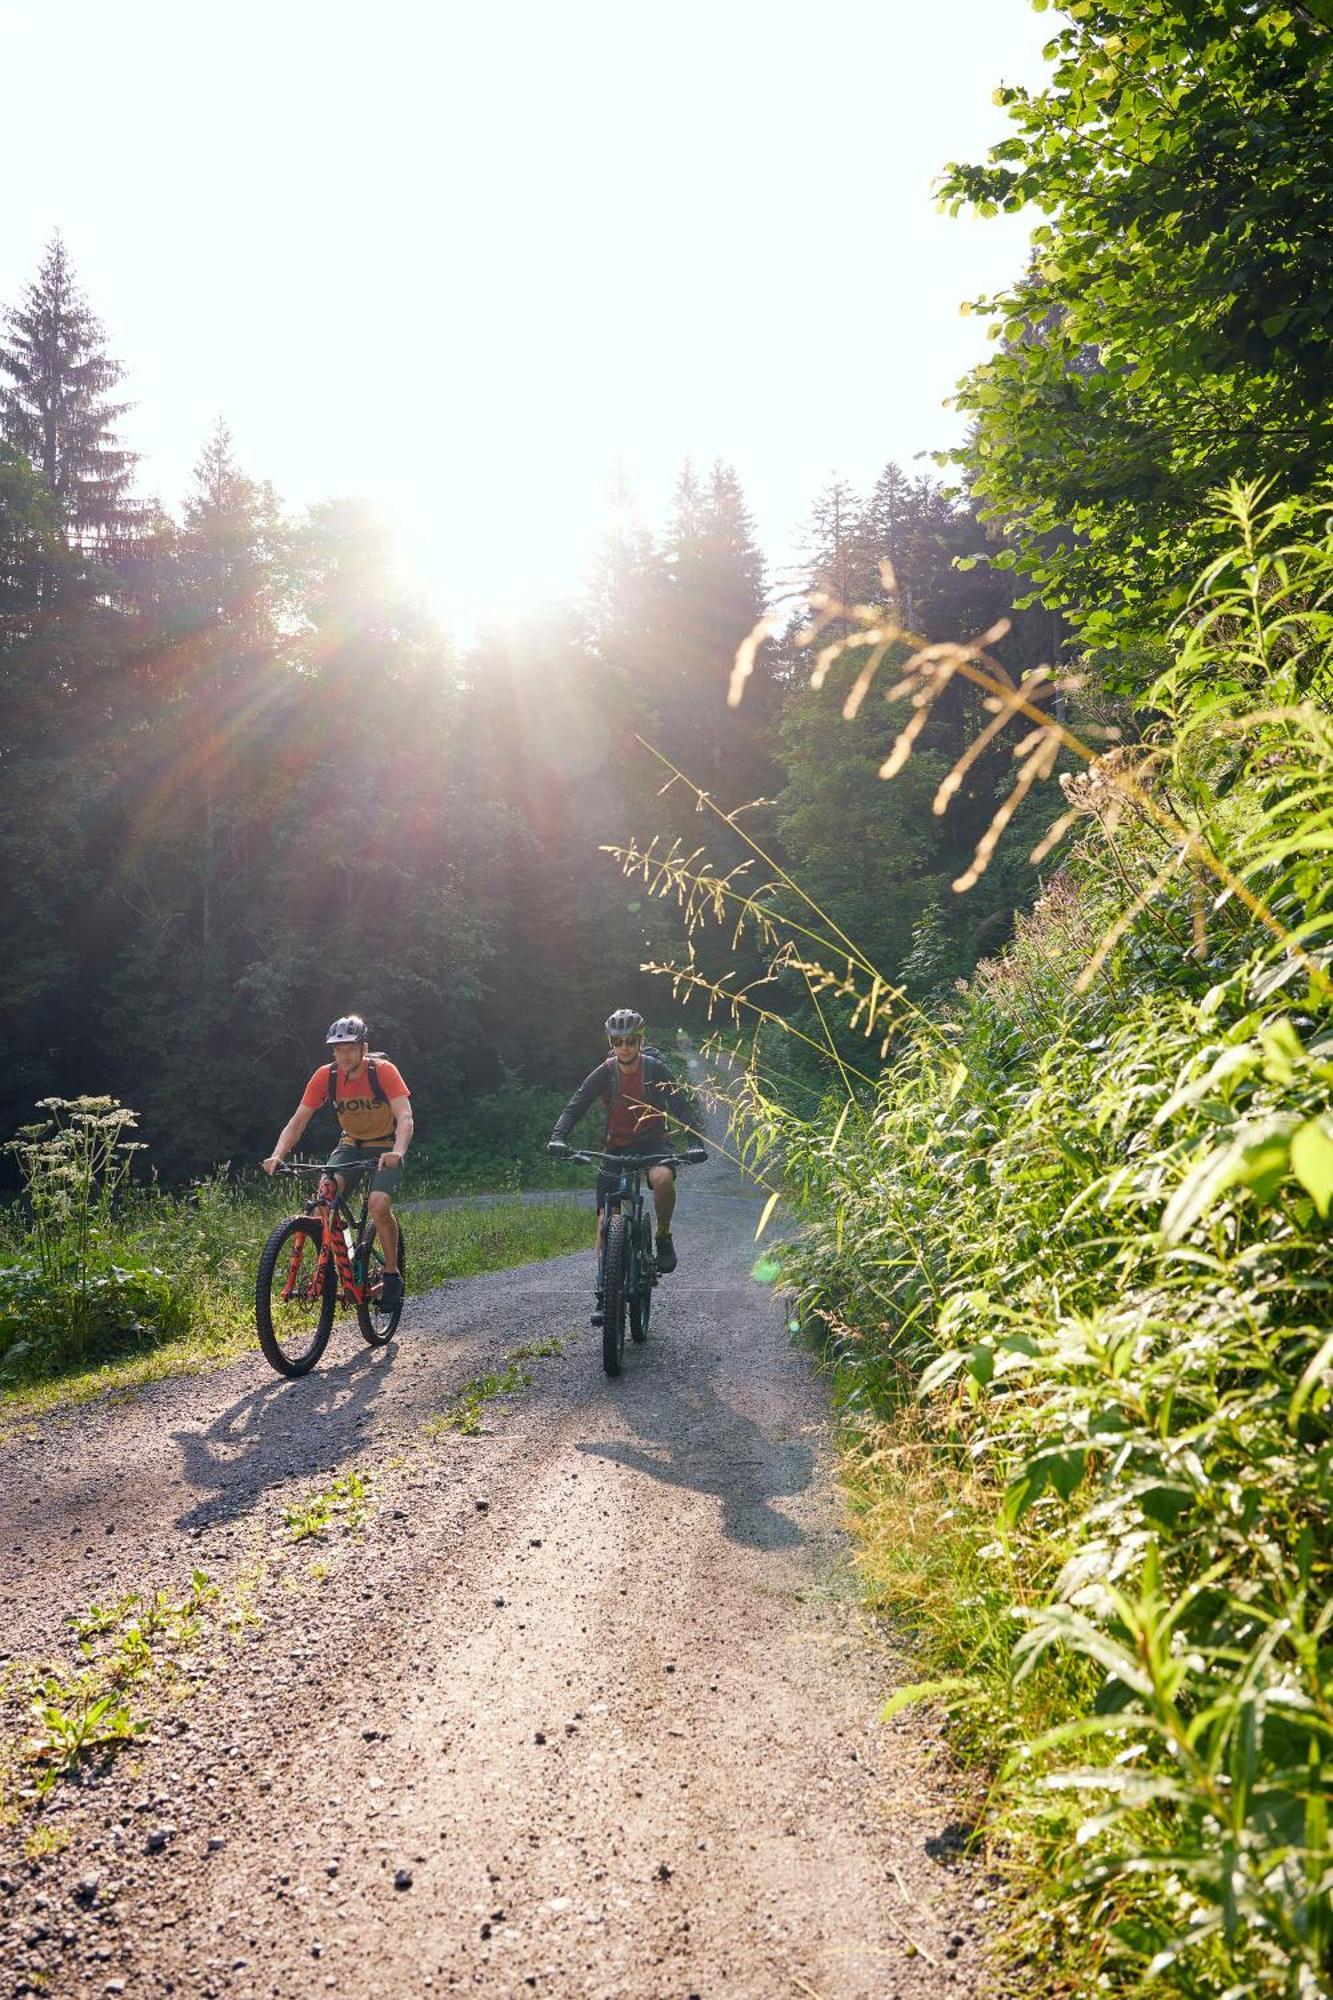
(247, 781)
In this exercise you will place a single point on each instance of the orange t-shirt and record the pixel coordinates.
(364, 1123)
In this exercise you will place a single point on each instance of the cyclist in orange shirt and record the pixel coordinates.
(375, 1119)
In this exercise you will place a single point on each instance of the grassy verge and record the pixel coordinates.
(214, 1274)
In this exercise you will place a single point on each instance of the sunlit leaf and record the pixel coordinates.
(1312, 1161)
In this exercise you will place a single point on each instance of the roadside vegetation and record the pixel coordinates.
(1065, 1243)
(1066, 1246)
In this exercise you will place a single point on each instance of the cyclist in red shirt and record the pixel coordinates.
(375, 1119)
(638, 1090)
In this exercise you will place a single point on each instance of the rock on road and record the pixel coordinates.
(582, 1707)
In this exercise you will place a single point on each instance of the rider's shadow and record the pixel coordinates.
(286, 1428)
(695, 1440)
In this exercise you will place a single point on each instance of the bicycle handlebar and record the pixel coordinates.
(298, 1167)
(610, 1160)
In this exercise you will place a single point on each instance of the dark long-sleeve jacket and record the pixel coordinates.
(643, 1120)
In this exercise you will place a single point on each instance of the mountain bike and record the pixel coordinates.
(307, 1268)
(627, 1269)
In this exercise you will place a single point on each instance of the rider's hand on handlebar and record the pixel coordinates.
(272, 1163)
(558, 1148)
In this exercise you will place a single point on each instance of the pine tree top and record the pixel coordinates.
(56, 407)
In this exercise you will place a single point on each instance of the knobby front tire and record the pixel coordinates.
(377, 1326)
(641, 1297)
(613, 1295)
(292, 1319)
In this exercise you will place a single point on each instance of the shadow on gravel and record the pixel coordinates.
(695, 1440)
(308, 1425)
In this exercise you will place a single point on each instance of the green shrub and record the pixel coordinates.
(495, 1143)
(113, 1308)
(72, 1292)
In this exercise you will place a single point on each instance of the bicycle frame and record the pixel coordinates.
(332, 1207)
(631, 1191)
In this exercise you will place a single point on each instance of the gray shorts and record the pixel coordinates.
(384, 1180)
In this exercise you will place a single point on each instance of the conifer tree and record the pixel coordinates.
(714, 596)
(56, 407)
(832, 555)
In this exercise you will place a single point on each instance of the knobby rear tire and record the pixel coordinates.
(377, 1327)
(613, 1295)
(294, 1331)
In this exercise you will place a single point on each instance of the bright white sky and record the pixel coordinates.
(461, 258)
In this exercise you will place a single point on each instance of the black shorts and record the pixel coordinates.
(608, 1180)
(384, 1180)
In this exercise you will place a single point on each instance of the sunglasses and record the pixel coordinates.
(625, 1041)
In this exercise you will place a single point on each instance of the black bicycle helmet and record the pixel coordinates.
(624, 1021)
(347, 1028)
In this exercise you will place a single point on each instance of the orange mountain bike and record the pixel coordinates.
(313, 1261)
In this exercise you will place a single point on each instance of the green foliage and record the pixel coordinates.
(495, 1141)
(1085, 1220)
(1174, 327)
(464, 1242)
(130, 1652)
(55, 406)
(345, 1498)
(466, 1413)
(72, 1294)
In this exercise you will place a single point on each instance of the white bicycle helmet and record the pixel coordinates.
(624, 1021)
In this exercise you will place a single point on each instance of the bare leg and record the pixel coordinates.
(386, 1228)
(663, 1184)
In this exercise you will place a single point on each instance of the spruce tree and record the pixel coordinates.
(833, 558)
(714, 597)
(56, 407)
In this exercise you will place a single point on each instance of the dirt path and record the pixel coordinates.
(583, 1707)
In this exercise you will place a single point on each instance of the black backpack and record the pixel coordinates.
(655, 1070)
(376, 1094)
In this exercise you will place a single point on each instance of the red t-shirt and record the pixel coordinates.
(632, 1120)
(364, 1123)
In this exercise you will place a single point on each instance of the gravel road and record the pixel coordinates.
(582, 1706)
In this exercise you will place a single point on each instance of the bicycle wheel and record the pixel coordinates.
(378, 1326)
(613, 1295)
(294, 1320)
(641, 1290)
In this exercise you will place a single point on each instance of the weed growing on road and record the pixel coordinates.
(539, 1350)
(346, 1498)
(46, 1841)
(76, 1715)
(464, 1414)
(131, 1654)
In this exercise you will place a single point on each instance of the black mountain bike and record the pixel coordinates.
(313, 1259)
(627, 1269)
